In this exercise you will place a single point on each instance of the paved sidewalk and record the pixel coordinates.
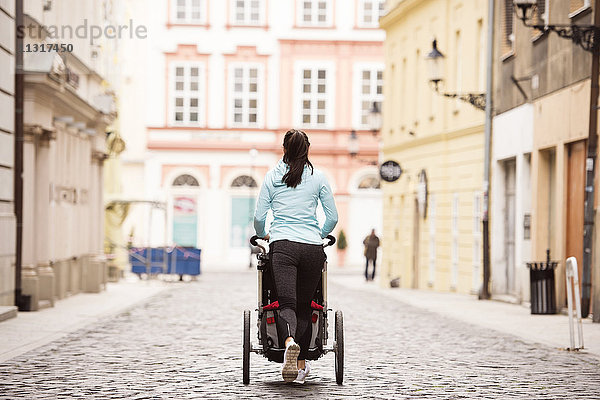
(30, 330)
(550, 330)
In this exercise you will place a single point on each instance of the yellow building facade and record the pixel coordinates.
(432, 213)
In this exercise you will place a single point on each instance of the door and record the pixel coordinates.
(509, 225)
(185, 220)
(416, 234)
(575, 201)
(242, 212)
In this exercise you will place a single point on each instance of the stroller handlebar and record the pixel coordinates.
(331, 239)
(253, 242)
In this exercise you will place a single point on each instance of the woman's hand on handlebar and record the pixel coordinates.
(266, 238)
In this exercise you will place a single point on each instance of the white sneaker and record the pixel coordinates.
(290, 361)
(303, 373)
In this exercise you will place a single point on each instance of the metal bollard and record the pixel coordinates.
(572, 276)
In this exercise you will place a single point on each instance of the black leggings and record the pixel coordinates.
(296, 269)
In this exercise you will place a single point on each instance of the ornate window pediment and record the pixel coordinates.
(244, 181)
(370, 182)
(185, 180)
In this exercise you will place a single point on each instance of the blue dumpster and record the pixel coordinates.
(187, 261)
(137, 258)
(179, 260)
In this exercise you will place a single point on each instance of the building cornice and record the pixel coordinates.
(244, 147)
(64, 98)
(396, 13)
(262, 130)
(439, 137)
(327, 42)
(68, 55)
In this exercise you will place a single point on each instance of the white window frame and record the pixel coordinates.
(357, 94)
(481, 57)
(247, 20)
(246, 95)
(329, 96)
(314, 14)
(458, 67)
(188, 13)
(586, 4)
(375, 4)
(187, 93)
(546, 16)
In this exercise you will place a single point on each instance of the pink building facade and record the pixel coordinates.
(228, 79)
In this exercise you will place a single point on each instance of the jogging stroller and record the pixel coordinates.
(271, 343)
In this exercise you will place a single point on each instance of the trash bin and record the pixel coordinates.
(543, 290)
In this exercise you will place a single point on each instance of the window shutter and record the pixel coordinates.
(541, 8)
(507, 26)
(576, 5)
(538, 16)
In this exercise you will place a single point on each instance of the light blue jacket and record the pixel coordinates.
(294, 209)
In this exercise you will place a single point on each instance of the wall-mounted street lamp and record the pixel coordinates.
(435, 61)
(586, 36)
(374, 122)
(353, 145)
(374, 119)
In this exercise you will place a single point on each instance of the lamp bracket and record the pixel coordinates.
(518, 85)
(585, 36)
(477, 100)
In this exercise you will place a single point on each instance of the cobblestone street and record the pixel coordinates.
(186, 343)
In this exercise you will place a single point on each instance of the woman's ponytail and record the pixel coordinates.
(296, 146)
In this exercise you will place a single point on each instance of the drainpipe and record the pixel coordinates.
(20, 301)
(485, 290)
(588, 219)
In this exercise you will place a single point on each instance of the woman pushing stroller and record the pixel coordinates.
(292, 190)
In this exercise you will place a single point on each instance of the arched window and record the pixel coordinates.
(244, 181)
(185, 180)
(370, 182)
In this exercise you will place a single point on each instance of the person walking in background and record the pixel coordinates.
(371, 243)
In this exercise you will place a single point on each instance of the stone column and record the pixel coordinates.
(94, 264)
(61, 277)
(30, 285)
(29, 274)
(42, 234)
(96, 203)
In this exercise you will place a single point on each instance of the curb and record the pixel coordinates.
(8, 312)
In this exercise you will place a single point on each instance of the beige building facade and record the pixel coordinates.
(432, 213)
(541, 102)
(68, 106)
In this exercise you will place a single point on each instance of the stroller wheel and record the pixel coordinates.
(339, 347)
(246, 355)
